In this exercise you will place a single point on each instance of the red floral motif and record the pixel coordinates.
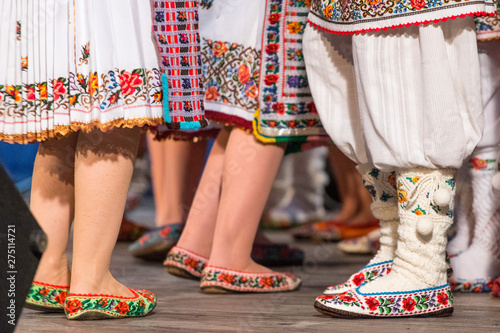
(358, 279)
(312, 122)
(122, 308)
(191, 263)
(243, 74)
(418, 4)
(272, 123)
(252, 91)
(141, 304)
(113, 99)
(103, 302)
(409, 304)
(443, 298)
(274, 18)
(347, 299)
(44, 292)
(219, 49)
(211, 94)
(372, 303)
(478, 163)
(272, 48)
(271, 79)
(292, 123)
(165, 231)
(31, 94)
(227, 278)
(59, 89)
(61, 297)
(73, 306)
(312, 107)
(130, 81)
(266, 282)
(279, 108)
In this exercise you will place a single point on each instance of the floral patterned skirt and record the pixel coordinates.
(230, 32)
(69, 65)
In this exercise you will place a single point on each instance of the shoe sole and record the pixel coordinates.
(96, 315)
(336, 313)
(182, 273)
(156, 252)
(43, 308)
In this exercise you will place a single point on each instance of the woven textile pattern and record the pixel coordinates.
(176, 30)
(287, 111)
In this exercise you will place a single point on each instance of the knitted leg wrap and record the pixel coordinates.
(382, 187)
(426, 212)
(481, 261)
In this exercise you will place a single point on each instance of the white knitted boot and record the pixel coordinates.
(382, 187)
(464, 218)
(476, 268)
(417, 284)
(426, 213)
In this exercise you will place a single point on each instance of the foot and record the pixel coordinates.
(106, 285)
(53, 271)
(248, 267)
(474, 270)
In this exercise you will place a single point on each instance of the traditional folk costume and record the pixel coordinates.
(254, 79)
(397, 86)
(68, 66)
(477, 244)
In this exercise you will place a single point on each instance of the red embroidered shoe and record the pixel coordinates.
(46, 297)
(418, 303)
(89, 307)
(220, 280)
(365, 275)
(185, 264)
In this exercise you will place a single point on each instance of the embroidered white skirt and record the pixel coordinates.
(69, 65)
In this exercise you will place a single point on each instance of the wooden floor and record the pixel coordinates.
(182, 308)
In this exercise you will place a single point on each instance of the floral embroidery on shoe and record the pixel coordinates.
(365, 275)
(105, 306)
(47, 297)
(249, 282)
(186, 260)
(474, 286)
(418, 302)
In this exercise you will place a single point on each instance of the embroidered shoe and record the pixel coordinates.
(474, 286)
(185, 264)
(155, 244)
(365, 275)
(220, 281)
(370, 273)
(419, 303)
(46, 297)
(89, 307)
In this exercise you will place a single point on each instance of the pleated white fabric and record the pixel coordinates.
(399, 99)
(68, 65)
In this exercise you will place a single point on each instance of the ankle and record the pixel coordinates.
(53, 270)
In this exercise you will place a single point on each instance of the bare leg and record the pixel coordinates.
(52, 204)
(103, 168)
(176, 168)
(249, 170)
(198, 233)
(356, 199)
